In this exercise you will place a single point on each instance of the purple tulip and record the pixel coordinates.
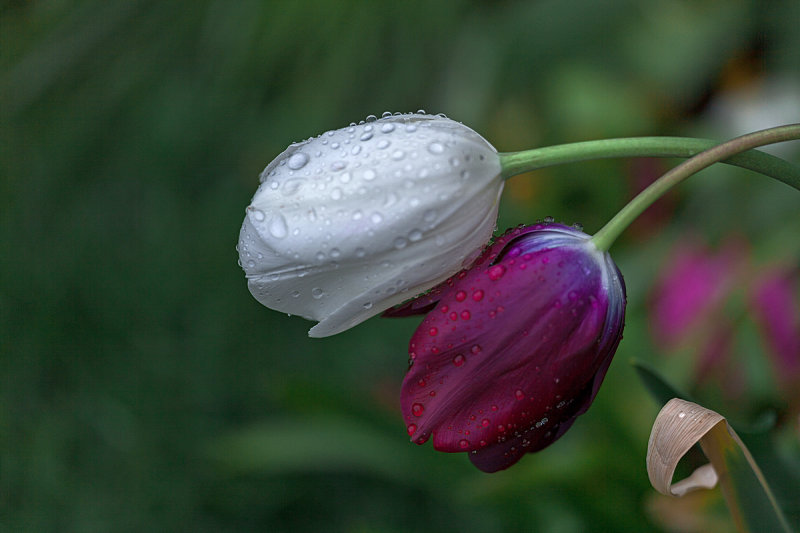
(515, 348)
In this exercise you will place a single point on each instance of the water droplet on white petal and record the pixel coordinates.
(366, 136)
(376, 218)
(297, 161)
(387, 128)
(258, 215)
(383, 144)
(436, 147)
(415, 235)
(317, 293)
(400, 243)
(277, 227)
(369, 174)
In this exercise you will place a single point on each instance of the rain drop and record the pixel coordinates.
(461, 296)
(436, 147)
(317, 293)
(277, 227)
(297, 161)
(366, 136)
(383, 144)
(496, 272)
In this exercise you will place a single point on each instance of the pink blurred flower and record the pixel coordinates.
(692, 285)
(774, 298)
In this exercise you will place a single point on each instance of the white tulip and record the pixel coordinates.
(350, 223)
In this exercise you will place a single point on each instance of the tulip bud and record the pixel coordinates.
(515, 348)
(354, 221)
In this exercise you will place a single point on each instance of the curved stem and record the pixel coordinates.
(514, 163)
(604, 238)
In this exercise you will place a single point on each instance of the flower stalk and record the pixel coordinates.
(604, 238)
(514, 163)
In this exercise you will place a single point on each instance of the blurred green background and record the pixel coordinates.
(142, 388)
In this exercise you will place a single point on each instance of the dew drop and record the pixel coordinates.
(383, 144)
(465, 315)
(369, 174)
(400, 243)
(412, 428)
(291, 186)
(485, 422)
(336, 193)
(258, 214)
(549, 220)
(388, 127)
(345, 177)
(295, 294)
(461, 296)
(376, 218)
(335, 253)
(336, 166)
(297, 161)
(397, 155)
(436, 148)
(496, 272)
(476, 349)
(519, 395)
(415, 235)
(360, 252)
(433, 332)
(477, 295)
(417, 409)
(367, 135)
(317, 293)
(458, 360)
(277, 227)
(463, 443)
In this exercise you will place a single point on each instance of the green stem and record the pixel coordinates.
(604, 238)
(514, 163)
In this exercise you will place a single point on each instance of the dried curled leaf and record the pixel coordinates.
(679, 426)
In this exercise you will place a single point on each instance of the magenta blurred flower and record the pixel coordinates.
(774, 300)
(692, 285)
(515, 348)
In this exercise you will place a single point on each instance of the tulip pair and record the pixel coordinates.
(514, 346)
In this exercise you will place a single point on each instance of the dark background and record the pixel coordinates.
(142, 388)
